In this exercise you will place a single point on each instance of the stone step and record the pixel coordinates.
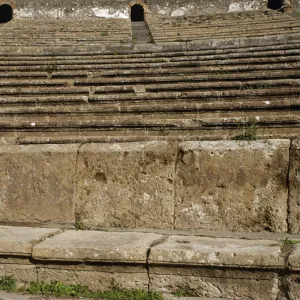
(169, 53)
(121, 135)
(165, 57)
(228, 267)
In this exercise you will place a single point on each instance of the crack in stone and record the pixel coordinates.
(153, 244)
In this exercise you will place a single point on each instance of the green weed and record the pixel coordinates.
(7, 283)
(288, 241)
(248, 132)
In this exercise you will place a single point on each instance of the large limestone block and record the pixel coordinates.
(20, 240)
(96, 246)
(126, 184)
(205, 251)
(294, 181)
(232, 185)
(37, 183)
(215, 283)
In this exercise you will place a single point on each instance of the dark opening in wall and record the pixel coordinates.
(274, 4)
(137, 13)
(6, 13)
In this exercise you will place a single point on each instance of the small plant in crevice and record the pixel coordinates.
(288, 241)
(247, 132)
(79, 224)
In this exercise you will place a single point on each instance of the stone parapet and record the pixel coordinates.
(238, 186)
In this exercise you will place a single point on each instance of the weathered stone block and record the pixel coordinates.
(215, 283)
(23, 273)
(96, 277)
(20, 240)
(37, 183)
(128, 184)
(293, 286)
(222, 252)
(294, 192)
(96, 246)
(232, 185)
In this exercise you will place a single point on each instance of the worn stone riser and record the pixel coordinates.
(162, 175)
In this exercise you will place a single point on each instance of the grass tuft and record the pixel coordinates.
(59, 289)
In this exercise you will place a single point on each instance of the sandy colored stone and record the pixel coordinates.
(204, 251)
(20, 240)
(96, 246)
(232, 185)
(127, 184)
(294, 286)
(97, 277)
(37, 183)
(294, 181)
(22, 273)
(215, 283)
(294, 257)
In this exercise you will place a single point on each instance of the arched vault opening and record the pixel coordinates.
(274, 4)
(137, 13)
(6, 13)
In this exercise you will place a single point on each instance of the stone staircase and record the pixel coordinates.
(149, 95)
(64, 33)
(180, 159)
(218, 26)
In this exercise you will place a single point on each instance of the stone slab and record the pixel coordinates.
(24, 274)
(20, 240)
(294, 191)
(126, 184)
(232, 185)
(204, 251)
(96, 246)
(37, 183)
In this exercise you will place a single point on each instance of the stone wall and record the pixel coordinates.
(121, 8)
(219, 185)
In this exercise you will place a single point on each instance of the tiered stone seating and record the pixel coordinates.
(98, 137)
(200, 94)
(23, 32)
(182, 29)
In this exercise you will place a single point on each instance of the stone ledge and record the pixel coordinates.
(18, 241)
(222, 252)
(96, 246)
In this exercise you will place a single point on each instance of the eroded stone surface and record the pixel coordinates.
(128, 184)
(232, 185)
(96, 277)
(96, 246)
(19, 240)
(215, 283)
(294, 181)
(192, 250)
(37, 183)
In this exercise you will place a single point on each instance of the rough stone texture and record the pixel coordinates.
(20, 240)
(191, 250)
(294, 286)
(294, 257)
(96, 277)
(23, 273)
(37, 183)
(232, 185)
(218, 283)
(96, 246)
(127, 185)
(120, 9)
(294, 191)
